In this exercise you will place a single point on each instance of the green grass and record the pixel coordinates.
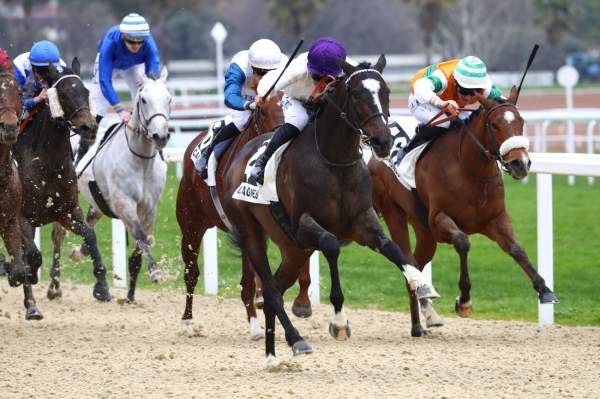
(500, 290)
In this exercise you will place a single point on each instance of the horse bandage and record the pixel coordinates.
(55, 108)
(513, 142)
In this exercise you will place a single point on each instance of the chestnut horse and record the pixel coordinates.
(461, 192)
(10, 188)
(196, 213)
(324, 187)
(46, 169)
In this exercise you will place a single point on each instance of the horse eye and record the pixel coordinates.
(143, 100)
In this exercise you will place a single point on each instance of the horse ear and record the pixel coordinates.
(512, 98)
(381, 62)
(346, 67)
(53, 72)
(164, 73)
(75, 66)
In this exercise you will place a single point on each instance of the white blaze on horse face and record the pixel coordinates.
(509, 117)
(374, 86)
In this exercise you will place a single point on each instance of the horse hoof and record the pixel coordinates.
(463, 309)
(300, 310)
(271, 362)
(101, 292)
(434, 321)
(76, 255)
(158, 276)
(427, 291)
(419, 331)
(259, 302)
(548, 297)
(301, 347)
(340, 333)
(256, 333)
(33, 313)
(54, 293)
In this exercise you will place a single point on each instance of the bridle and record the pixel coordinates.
(67, 120)
(343, 113)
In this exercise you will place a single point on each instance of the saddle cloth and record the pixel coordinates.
(249, 191)
(218, 150)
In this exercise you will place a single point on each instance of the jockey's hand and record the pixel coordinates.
(125, 116)
(258, 101)
(450, 107)
(43, 96)
(252, 106)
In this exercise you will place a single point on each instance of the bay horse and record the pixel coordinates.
(43, 153)
(18, 270)
(325, 189)
(196, 212)
(460, 192)
(130, 175)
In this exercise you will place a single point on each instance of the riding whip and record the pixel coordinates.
(531, 57)
(285, 67)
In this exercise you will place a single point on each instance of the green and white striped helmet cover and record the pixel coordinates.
(471, 73)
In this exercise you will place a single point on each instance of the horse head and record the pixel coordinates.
(10, 101)
(504, 132)
(153, 109)
(70, 102)
(269, 115)
(368, 99)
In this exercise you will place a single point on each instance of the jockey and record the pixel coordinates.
(127, 50)
(241, 78)
(447, 86)
(31, 72)
(323, 59)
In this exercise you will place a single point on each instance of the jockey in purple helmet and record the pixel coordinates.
(297, 82)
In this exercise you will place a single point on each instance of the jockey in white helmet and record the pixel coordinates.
(241, 78)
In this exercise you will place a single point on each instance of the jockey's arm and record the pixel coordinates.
(234, 80)
(105, 69)
(152, 59)
(296, 71)
(428, 88)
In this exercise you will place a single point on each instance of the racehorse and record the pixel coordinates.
(460, 191)
(324, 187)
(196, 212)
(10, 189)
(43, 153)
(128, 170)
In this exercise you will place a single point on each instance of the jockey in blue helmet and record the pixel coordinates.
(32, 73)
(297, 82)
(241, 78)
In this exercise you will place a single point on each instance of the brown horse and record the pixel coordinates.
(196, 213)
(461, 192)
(43, 153)
(325, 190)
(11, 190)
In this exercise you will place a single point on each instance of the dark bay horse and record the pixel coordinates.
(10, 189)
(461, 191)
(325, 189)
(196, 213)
(43, 153)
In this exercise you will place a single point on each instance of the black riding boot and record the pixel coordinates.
(282, 135)
(227, 132)
(424, 134)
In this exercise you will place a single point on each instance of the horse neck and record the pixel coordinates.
(336, 139)
(5, 157)
(138, 141)
(50, 139)
(470, 153)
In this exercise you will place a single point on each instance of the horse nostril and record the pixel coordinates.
(84, 128)
(168, 136)
(155, 137)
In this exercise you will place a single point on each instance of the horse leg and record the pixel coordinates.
(33, 262)
(135, 264)
(190, 245)
(74, 222)
(16, 267)
(58, 235)
(311, 235)
(259, 301)
(501, 231)
(248, 288)
(253, 244)
(92, 218)
(445, 230)
(301, 306)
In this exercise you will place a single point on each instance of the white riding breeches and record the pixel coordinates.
(240, 118)
(294, 112)
(132, 77)
(423, 112)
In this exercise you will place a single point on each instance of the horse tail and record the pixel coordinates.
(235, 238)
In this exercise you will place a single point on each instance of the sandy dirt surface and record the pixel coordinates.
(85, 349)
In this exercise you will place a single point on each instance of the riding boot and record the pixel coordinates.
(282, 135)
(424, 134)
(227, 132)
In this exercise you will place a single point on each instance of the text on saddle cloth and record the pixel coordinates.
(404, 164)
(249, 191)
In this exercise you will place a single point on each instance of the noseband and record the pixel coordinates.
(67, 120)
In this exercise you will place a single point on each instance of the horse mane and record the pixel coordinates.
(364, 65)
